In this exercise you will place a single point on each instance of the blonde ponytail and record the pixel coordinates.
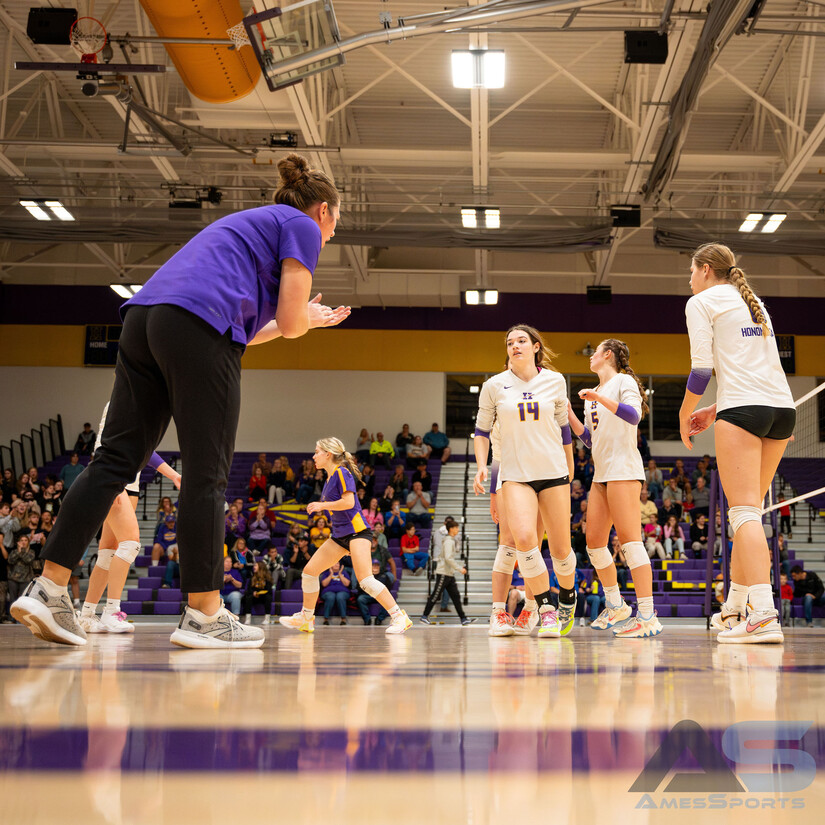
(335, 447)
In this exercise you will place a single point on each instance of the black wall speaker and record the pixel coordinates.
(599, 294)
(645, 47)
(50, 27)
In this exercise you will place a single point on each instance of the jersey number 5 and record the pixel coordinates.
(594, 415)
(528, 408)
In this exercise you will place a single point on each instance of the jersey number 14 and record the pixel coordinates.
(526, 408)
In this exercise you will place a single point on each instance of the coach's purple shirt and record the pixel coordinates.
(230, 272)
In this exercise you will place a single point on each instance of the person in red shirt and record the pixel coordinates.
(257, 485)
(415, 559)
(785, 518)
(786, 594)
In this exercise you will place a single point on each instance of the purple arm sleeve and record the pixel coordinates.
(481, 432)
(566, 435)
(155, 461)
(698, 381)
(493, 478)
(585, 437)
(627, 413)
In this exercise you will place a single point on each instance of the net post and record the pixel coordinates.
(773, 518)
(714, 480)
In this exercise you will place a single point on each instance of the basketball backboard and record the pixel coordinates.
(279, 33)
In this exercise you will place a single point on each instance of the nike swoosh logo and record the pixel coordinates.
(509, 388)
(752, 627)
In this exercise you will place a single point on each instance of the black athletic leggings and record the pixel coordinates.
(170, 364)
(445, 583)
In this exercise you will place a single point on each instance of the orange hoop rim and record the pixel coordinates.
(102, 29)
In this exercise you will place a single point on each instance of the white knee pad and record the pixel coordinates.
(104, 557)
(128, 551)
(565, 566)
(600, 557)
(743, 514)
(505, 561)
(531, 563)
(310, 584)
(635, 554)
(371, 586)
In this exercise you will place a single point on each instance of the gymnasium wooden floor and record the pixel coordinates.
(443, 725)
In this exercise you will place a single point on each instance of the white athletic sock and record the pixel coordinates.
(112, 606)
(88, 609)
(201, 616)
(499, 606)
(530, 604)
(737, 598)
(51, 588)
(395, 611)
(613, 596)
(154, 562)
(645, 606)
(308, 612)
(760, 598)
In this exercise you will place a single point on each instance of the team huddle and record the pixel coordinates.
(246, 279)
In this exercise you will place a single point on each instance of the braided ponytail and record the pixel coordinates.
(723, 263)
(621, 358)
(340, 455)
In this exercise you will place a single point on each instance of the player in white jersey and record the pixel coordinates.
(730, 332)
(529, 402)
(118, 547)
(612, 413)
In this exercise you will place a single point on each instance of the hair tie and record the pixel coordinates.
(730, 269)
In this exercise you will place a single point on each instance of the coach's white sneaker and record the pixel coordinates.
(759, 627)
(116, 622)
(611, 616)
(501, 624)
(51, 618)
(196, 630)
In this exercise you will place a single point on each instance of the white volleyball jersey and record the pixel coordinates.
(615, 454)
(132, 487)
(530, 415)
(724, 337)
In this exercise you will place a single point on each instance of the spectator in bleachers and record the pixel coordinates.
(381, 451)
(785, 518)
(807, 586)
(24, 486)
(8, 487)
(653, 539)
(647, 507)
(235, 525)
(580, 465)
(418, 505)
(654, 480)
(31, 530)
(10, 522)
(577, 494)
(367, 481)
(398, 482)
(242, 557)
(365, 601)
(717, 542)
(85, 443)
(59, 494)
(416, 452)
(319, 532)
(674, 538)
(372, 514)
(395, 520)
(277, 483)
(362, 446)
(318, 480)
(412, 555)
(592, 594)
(670, 507)
(641, 444)
(263, 464)
(619, 560)
(257, 486)
(786, 593)
(784, 559)
(360, 494)
(69, 472)
(701, 499)
(335, 586)
(21, 567)
(166, 535)
(687, 504)
(295, 532)
(701, 471)
(274, 562)
(260, 529)
(381, 554)
(423, 476)
(578, 542)
(385, 502)
(404, 439)
(47, 500)
(580, 513)
(516, 594)
(678, 472)
(46, 525)
(699, 536)
(232, 586)
(305, 483)
(258, 592)
(290, 473)
(673, 490)
(438, 443)
(165, 508)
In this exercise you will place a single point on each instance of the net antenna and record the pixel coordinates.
(88, 37)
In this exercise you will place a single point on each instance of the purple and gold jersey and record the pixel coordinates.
(344, 522)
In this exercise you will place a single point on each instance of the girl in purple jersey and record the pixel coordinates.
(350, 534)
(244, 279)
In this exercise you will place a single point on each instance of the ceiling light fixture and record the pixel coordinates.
(772, 224)
(474, 297)
(469, 219)
(474, 389)
(40, 208)
(486, 217)
(749, 224)
(60, 211)
(126, 291)
(478, 69)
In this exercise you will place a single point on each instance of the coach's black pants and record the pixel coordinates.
(170, 364)
(445, 584)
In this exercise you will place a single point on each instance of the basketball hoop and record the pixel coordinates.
(238, 35)
(87, 37)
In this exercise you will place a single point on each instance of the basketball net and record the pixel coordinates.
(87, 38)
